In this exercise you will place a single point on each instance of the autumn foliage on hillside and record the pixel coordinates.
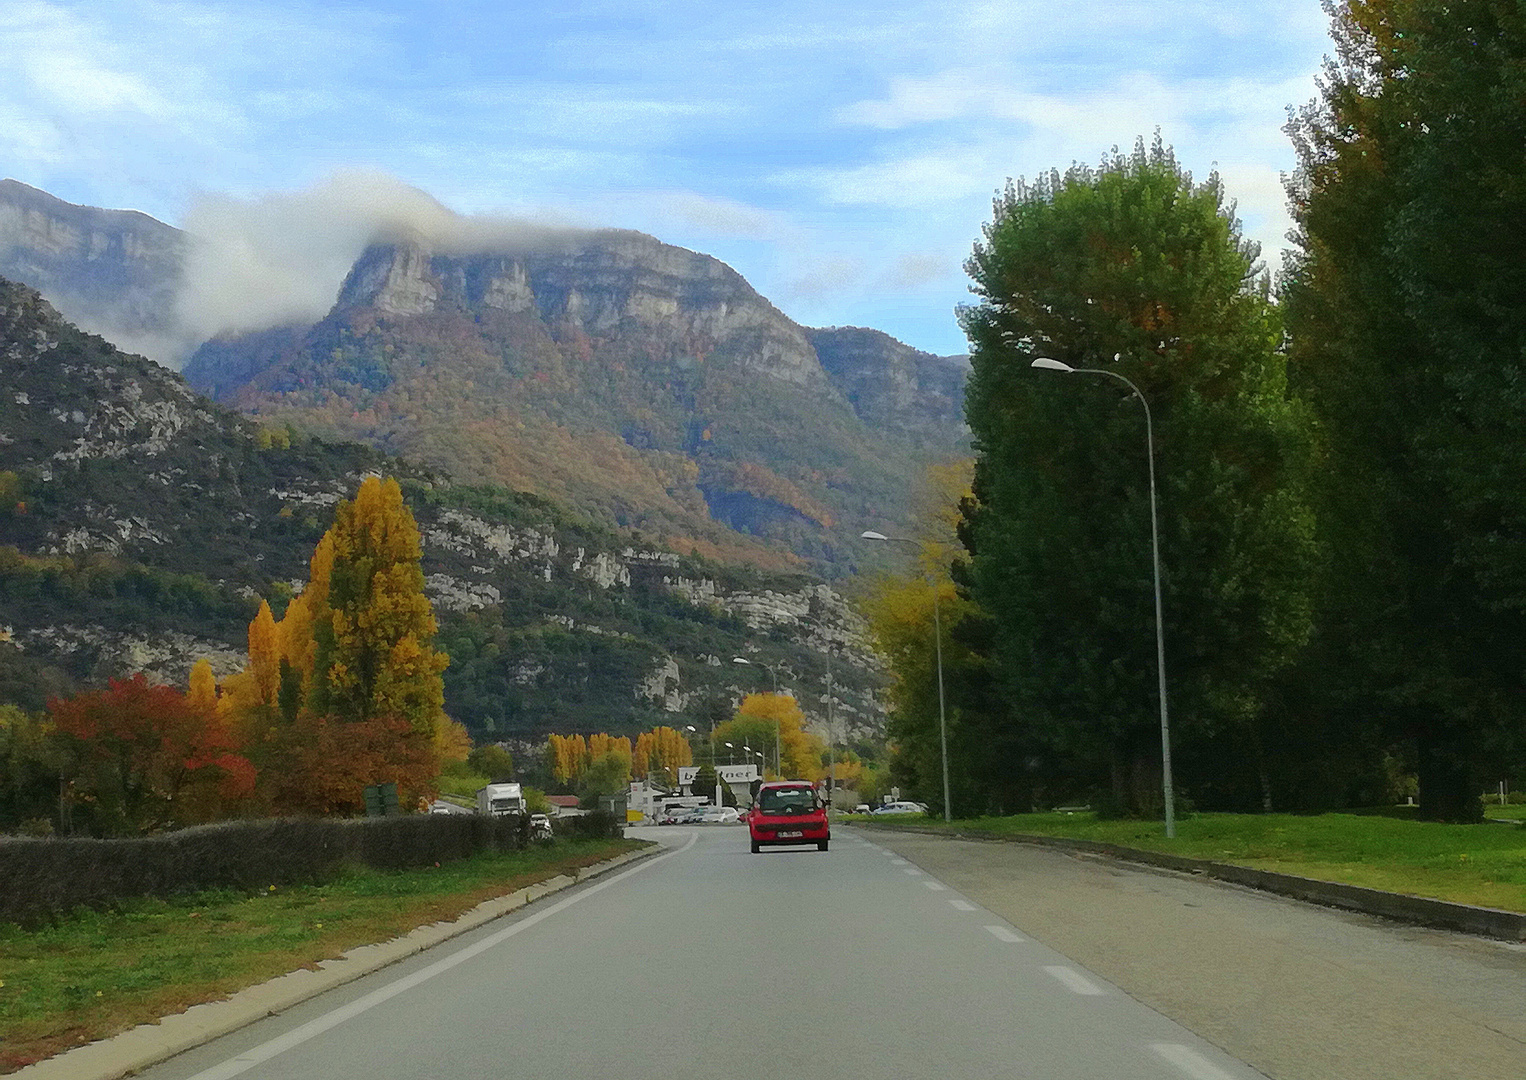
(342, 692)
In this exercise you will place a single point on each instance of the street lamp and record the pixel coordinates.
(691, 727)
(870, 534)
(778, 727)
(1047, 364)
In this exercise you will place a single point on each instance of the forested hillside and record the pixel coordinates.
(140, 523)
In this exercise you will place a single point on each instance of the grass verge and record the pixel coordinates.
(1467, 864)
(99, 973)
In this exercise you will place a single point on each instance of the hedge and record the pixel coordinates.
(43, 879)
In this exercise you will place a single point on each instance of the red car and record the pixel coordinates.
(788, 812)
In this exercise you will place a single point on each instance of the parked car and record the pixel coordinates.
(788, 812)
(717, 815)
(890, 809)
(862, 808)
(540, 826)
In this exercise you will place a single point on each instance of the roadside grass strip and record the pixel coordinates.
(1483, 865)
(98, 973)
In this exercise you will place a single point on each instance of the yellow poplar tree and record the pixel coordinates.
(374, 654)
(202, 694)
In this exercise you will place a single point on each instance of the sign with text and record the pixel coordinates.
(731, 774)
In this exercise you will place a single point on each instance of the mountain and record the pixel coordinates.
(113, 272)
(641, 385)
(644, 384)
(139, 522)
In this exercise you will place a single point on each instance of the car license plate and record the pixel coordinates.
(791, 835)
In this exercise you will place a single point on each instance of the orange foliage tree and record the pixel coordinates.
(661, 750)
(150, 757)
(764, 719)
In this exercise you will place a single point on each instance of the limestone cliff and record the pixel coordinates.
(112, 272)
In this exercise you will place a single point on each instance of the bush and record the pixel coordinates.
(47, 878)
(594, 825)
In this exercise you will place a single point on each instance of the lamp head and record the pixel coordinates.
(870, 534)
(1050, 365)
(741, 660)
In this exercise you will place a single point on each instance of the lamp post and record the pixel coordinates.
(870, 534)
(778, 727)
(691, 727)
(1047, 364)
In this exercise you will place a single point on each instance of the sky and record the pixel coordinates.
(841, 156)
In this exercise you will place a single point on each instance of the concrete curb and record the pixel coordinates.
(149, 1044)
(1417, 910)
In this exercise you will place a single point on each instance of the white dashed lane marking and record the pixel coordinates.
(896, 862)
(962, 905)
(1189, 1061)
(935, 886)
(1074, 981)
(911, 870)
(1001, 933)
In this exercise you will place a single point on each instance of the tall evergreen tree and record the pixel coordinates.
(1133, 260)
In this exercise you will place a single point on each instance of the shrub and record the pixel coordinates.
(47, 878)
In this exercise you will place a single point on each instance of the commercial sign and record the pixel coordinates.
(731, 774)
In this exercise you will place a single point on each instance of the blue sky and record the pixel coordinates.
(841, 156)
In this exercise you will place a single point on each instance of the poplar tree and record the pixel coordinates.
(374, 653)
(1406, 303)
(1134, 267)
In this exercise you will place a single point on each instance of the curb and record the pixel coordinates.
(149, 1044)
(1401, 907)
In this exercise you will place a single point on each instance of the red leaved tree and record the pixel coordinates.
(146, 757)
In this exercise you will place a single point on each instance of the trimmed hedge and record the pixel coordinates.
(43, 879)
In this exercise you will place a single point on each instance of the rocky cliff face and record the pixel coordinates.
(599, 283)
(112, 272)
(891, 385)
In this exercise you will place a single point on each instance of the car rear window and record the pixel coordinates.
(801, 800)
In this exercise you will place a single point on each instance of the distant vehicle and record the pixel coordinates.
(540, 826)
(675, 811)
(501, 799)
(891, 809)
(862, 808)
(715, 815)
(788, 812)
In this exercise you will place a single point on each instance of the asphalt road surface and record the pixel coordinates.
(712, 962)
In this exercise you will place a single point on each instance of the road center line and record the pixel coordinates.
(962, 905)
(1000, 933)
(1075, 981)
(313, 1028)
(935, 886)
(1190, 1061)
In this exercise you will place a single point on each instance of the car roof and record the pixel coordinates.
(788, 784)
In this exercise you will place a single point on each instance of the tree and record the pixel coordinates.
(30, 764)
(661, 750)
(608, 774)
(1133, 267)
(763, 719)
(374, 652)
(493, 762)
(147, 758)
(569, 758)
(705, 780)
(1404, 303)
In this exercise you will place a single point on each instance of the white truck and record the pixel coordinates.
(500, 799)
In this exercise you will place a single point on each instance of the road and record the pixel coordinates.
(713, 962)
(897, 955)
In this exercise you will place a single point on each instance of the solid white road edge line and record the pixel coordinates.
(1075, 981)
(1001, 933)
(313, 1028)
(1190, 1062)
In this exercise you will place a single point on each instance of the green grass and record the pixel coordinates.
(98, 973)
(1469, 864)
(1512, 812)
